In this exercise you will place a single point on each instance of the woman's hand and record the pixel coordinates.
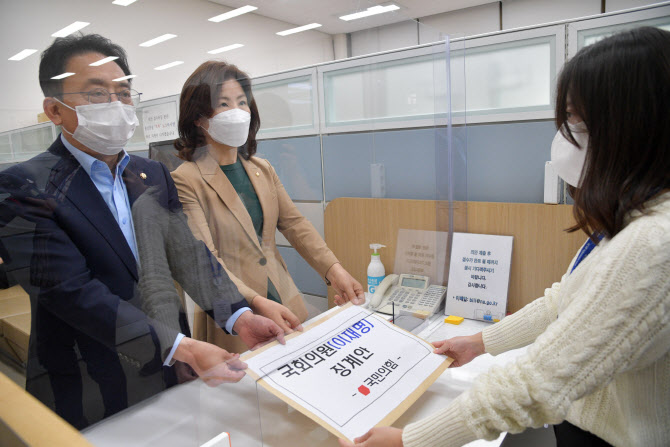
(461, 349)
(276, 312)
(378, 436)
(346, 287)
(214, 365)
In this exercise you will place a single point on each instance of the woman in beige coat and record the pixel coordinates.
(235, 202)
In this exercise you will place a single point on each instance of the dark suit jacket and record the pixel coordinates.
(67, 251)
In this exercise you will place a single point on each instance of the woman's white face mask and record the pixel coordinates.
(230, 127)
(105, 128)
(566, 158)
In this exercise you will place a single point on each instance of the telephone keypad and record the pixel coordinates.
(419, 300)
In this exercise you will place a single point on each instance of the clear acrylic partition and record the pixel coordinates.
(364, 103)
(387, 123)
(373, 98)
(287, 103)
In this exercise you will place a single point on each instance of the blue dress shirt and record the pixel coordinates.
(111, 188)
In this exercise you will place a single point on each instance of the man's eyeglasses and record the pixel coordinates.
(101, 96)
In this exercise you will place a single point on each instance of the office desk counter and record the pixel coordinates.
(192, 414)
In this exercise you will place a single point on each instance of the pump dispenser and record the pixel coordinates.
(376, 270)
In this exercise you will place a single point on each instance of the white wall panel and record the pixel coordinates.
(518, 13)
(463, 22)
(618, 5)
(390, 37)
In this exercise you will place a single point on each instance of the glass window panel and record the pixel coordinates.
(505, 77)
(402, 89)
(5, 147)
(32, 140)
(138, 136)
(588, 37)
(287, 104)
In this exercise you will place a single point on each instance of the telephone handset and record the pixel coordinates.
(410, 293)
(380, 291)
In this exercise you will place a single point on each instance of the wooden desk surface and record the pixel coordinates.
(26, 421)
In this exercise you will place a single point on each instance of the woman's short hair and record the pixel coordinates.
(198, 99)
(620, 87)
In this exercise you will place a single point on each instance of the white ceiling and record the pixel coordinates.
(30, 23)
(327, 12)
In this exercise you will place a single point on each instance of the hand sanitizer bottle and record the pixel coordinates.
(375, 269)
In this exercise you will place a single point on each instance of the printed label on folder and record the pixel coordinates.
(348, 372)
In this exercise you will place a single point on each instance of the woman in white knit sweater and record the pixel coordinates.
(598, 364)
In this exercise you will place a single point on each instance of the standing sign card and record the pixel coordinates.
(479, 276)
(160, 122)
(349, 372)
(422, 252)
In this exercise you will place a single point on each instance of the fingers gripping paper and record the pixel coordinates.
(350, 372)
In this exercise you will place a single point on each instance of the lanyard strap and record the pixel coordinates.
(587, 248)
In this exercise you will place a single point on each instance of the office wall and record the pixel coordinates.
(518, 13)
(618, 5)
(505, 163)
(464, 22)
(397, 35)
(484, 19)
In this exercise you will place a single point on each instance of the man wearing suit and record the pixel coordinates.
(79, 247)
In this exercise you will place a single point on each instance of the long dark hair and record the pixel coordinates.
(198, 99)
(620, 86)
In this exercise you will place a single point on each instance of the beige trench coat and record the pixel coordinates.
(217, 216)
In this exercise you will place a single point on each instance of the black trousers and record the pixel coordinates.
(568, 435)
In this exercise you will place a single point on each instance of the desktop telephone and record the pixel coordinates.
(410, 293)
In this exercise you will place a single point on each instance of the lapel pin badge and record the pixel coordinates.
(143, 176)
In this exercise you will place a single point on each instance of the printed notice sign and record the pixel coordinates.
(349, 372)
(479, 276)
(421, 252)
(160, 122)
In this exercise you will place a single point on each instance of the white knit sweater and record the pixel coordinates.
(600, 353)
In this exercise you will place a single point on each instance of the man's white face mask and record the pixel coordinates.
(568, 159)
(105, 128)
(230, 127)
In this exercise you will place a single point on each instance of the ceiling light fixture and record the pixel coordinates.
(371, 11)
(123, 2)
(103, 61)
(123, 78)
(22, 55)
(233, 13)
(64, 75)
(226, 48)
(298, 29)
(157, 40)
(170, 65)
(72, 28)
